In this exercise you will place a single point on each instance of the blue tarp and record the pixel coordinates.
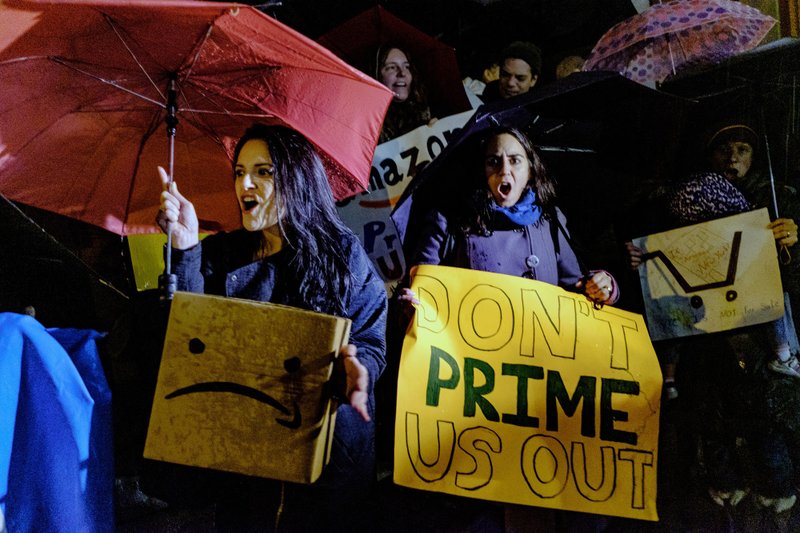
(56, 454)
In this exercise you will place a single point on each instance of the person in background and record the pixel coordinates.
(569, 65)
(409, 108)
(742, 419)
(733, 149)
(489, 74)
(722, 192)
(520, 66)
(293, 250)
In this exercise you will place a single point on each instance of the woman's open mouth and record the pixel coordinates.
(731, 173)
(504, 188)
(249, 204)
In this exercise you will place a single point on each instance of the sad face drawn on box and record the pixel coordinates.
(245, 387)
(292, 366)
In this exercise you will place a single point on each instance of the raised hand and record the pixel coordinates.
(176, 215)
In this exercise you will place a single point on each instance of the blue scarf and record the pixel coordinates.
(524, 213)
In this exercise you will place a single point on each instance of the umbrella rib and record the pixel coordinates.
(133, 56)
(63, 250)
(199, 123)
(671, 56)
(18, 59)
(188, 72)
(565, 149)
(199, 48)
(198, 120)
(222, 109)
(229, 113)
(145, 137)
(64, 62)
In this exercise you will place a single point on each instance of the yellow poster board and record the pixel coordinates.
(714, 276)
(244, 387)
(517, 391)
(147, 258)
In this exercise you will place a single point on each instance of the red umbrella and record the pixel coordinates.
(87, 88)
(357, 40)
(656, 43)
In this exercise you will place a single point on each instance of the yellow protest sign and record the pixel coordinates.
(714, 276)
(147, 258)
(518, 391)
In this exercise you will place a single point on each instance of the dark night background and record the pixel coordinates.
(476, 29)
(77, 275)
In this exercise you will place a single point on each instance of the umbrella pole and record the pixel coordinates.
(167, 281)
(771, 177)
(784, 255)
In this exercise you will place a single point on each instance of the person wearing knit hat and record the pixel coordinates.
(731, 400)
(731, 131)
(520, 65)
(729, 185)
(729, 149)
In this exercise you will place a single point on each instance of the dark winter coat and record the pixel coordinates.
(222, 265)
(539, 251)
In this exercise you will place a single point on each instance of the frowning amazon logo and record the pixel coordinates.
(245, 387)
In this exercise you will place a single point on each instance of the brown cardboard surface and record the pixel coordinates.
(244, 387)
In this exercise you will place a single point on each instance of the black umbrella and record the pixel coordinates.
(592, 119)
(40, 272)
(773, 67)
(761, 85)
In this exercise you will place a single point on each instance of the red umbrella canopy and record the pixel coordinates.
(651, 46)
(357, 41)
(84, 99)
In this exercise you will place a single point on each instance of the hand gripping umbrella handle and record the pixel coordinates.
(168, 282)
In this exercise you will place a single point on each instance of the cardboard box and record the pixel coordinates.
(244, 387)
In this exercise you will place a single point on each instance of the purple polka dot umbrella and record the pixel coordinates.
(671, 36)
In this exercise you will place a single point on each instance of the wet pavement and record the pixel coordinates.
(682, 505)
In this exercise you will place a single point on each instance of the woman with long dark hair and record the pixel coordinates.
(293, 250)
